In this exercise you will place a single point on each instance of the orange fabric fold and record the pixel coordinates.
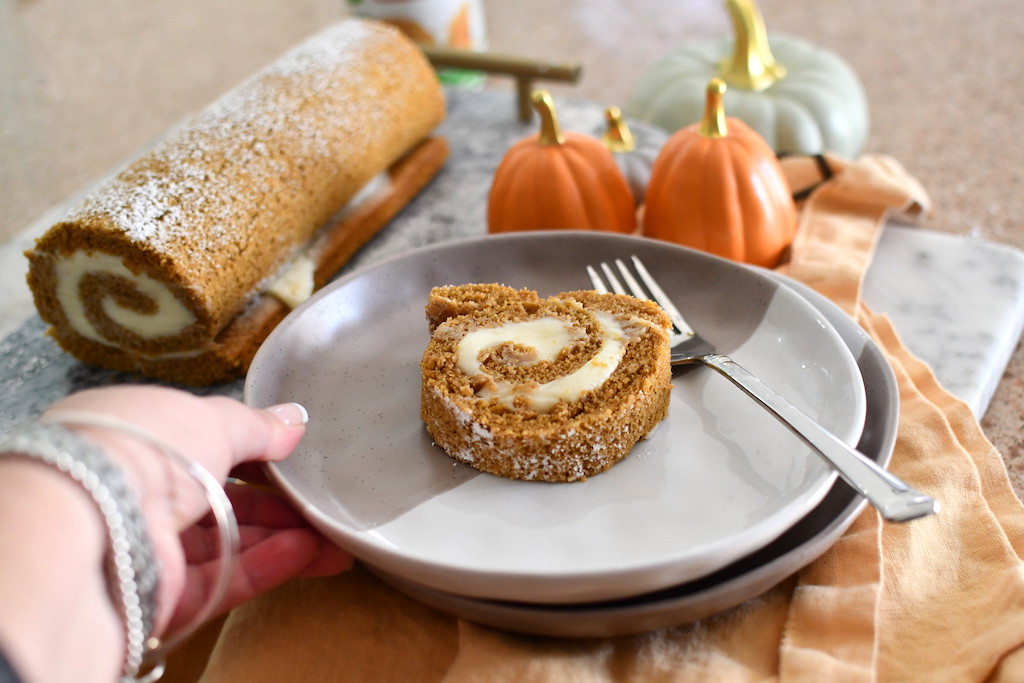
(953, 598)
(841, 221)
(937, 599)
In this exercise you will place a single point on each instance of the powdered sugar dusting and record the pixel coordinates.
(261, 169)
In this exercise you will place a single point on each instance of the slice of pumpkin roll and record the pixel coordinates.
(551, 389)
(180, 265)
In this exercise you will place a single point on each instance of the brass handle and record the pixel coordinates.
(525, 71)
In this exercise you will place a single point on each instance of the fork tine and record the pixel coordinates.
(613, 281)
(596, 280)
(684, 330)
(661, 298)
(634, 286)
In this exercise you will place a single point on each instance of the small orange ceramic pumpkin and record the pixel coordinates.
(554, 180)
(717, 186)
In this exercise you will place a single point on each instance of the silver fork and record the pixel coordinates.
(893, 498)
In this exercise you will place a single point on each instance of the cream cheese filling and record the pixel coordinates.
(546, 336)
(295, 283)
(170, 317)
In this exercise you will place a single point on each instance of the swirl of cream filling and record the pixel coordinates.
(167, 317)
(546, 336)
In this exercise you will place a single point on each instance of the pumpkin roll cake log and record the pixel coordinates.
(554, 389)
(163, 269)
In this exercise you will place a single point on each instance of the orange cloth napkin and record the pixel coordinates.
(938, 599)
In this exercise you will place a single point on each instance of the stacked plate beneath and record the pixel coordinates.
(717, 505)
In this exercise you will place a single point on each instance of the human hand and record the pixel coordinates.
(220, 434)
(276, 545)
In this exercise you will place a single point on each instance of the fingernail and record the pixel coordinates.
(292, 414)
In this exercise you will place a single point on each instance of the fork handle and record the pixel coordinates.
(893, 498)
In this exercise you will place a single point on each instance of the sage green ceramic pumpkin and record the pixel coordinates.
(635, 145)
(800, 98)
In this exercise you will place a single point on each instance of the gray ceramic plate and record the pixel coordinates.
(717, 480)
(746, 578)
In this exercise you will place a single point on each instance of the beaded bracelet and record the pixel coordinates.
(132, 572)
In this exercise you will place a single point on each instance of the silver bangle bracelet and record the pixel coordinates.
(50, 441)
(132, 572)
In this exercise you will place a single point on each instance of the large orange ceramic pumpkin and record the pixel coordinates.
(559, 180)
(717, 186)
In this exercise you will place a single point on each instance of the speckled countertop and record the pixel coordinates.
(84, 85)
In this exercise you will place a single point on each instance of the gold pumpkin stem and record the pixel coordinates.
(752, 66)
(617, 136)
(713, 124)
(550, 131)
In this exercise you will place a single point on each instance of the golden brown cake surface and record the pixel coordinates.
(551, 389)
(153, 266)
